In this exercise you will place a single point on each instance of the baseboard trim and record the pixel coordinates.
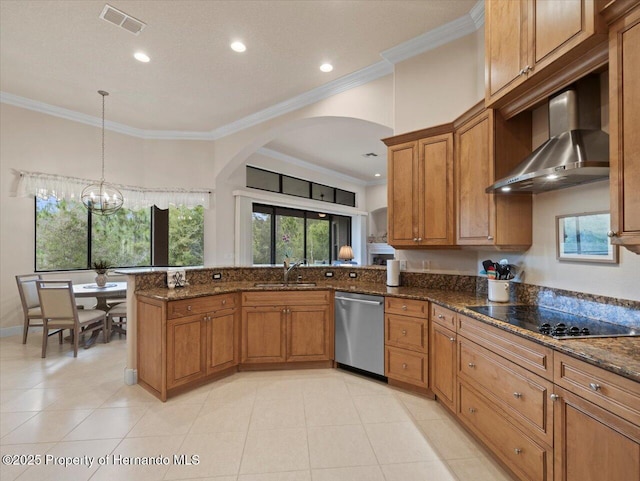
(130, 376)
(14, 331)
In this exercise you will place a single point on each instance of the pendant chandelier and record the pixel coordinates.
(102, 198)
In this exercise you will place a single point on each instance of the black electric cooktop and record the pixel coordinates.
(557, 324)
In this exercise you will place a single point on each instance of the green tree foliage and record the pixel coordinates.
(122, 239)
(186, 236)
(261, 238)
(289, 238)
(318, 241)
(61, 235)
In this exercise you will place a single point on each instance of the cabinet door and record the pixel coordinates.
(185, 350)
(309, 333)
(506, 46)
(474, 173)
(263, 334)
(442, 364)
(556, 27)
(402, 194)
(592, 444)
(435, 191)
(624, 99)
(223, 340)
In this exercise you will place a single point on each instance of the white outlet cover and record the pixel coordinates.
(403, 265)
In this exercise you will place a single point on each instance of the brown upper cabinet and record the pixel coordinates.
(535, 47)
(624, 100)
(487, 148)
(420, 188)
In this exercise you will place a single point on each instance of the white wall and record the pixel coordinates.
(34, 141)
(371, 102)
(437, 86)
(540, 263)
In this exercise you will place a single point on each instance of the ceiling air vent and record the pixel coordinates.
(122, 20)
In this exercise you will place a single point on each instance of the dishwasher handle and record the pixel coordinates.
(362, 301)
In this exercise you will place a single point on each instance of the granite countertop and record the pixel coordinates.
(617, 354)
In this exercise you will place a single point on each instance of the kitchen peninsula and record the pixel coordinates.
(548, 398)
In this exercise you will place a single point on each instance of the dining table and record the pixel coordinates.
(111, 290)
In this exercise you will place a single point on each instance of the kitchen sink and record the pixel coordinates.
(282, 284)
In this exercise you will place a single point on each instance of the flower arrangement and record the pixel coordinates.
(101, 266)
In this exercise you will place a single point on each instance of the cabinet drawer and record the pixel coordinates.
(285, 298)
(406, 332)
(406, 307)
(522, 394)
(200, 305)
(606, 389)
(524, 353)
(407, 366)
(443, 316)
(528, 459)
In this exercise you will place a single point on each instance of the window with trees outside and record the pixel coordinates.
(280, 233)
(70, 238)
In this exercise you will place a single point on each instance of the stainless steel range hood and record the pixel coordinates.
(577, 150)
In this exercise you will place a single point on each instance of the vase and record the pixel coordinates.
(101, 280)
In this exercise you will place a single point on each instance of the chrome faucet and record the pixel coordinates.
(289, 267)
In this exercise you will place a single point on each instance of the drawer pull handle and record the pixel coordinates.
(554, 397)
(594, 386)
(404, 307)
(404, 365)
(517, 395)
(517, 450)
(440, 316)
(404, 332)
(188, 308)
(224, 301)
(452, 339)
(471, 365)
(472, 410)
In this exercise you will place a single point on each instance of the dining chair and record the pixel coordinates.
(31, 304)
(59, 310)
(118, 311)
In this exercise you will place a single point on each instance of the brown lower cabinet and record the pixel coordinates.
(280, 327)
(406, 334)
(183, 342)
(443, 355)
(592, 444)
(545, 415)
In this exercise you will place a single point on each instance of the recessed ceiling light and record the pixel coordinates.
(376, 175)
(141, 57)
(505, 189)
(552, 176)
(326, 67)
(238, 47)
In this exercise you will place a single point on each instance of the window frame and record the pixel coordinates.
(275, 210)
(154, 242)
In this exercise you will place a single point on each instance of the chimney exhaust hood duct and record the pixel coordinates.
(577, 151)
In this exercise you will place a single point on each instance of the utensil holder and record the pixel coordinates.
(499, 290)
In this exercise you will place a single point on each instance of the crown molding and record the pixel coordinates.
(342, 84)
(477, 14)
(428, 41)
(274, 154)
(458, 28)
(74, 116)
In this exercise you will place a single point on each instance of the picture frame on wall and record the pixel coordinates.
(583, 238)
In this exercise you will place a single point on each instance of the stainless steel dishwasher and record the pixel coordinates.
(359, 337)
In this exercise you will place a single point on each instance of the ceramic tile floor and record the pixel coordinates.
(311, 425)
